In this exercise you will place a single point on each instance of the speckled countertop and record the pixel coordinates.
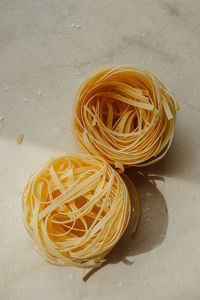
(46, 49)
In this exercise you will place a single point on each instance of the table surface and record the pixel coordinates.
(46, 49)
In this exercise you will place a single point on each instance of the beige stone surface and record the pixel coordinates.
(44, 56)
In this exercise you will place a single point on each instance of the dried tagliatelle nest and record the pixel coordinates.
(76, 207)
(125, 115)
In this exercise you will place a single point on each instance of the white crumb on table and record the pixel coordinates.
(120, 283)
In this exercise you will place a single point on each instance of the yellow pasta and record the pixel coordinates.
(125, 115)
(76, 207)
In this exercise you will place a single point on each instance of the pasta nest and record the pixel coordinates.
(75, 207)
(125, 115)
